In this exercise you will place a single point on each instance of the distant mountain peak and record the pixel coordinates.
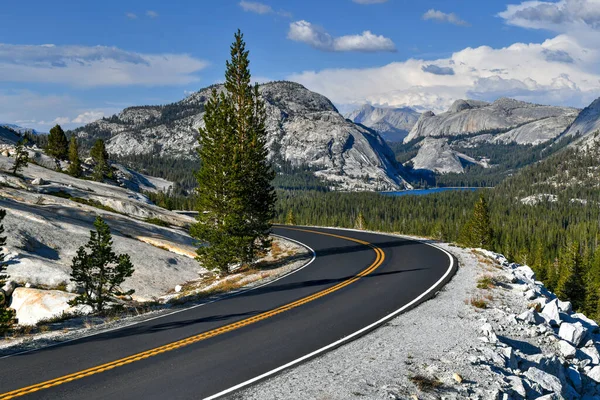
(391, 123)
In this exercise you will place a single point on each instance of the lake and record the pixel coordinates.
(422, 192)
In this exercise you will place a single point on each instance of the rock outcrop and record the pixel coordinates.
(470, 117)
(437, 155)
(393, 124)
(304, 130)
(35, 305)
(587, 124)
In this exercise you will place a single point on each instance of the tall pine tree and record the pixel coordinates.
(58, 146)
(570, 284)
(235, 196)
(75, 165)
(100, 157)
(477, 232)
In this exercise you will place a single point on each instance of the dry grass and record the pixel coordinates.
(486, 282)
(478, 302)
(425, 383)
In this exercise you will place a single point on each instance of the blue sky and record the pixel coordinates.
(73, 61)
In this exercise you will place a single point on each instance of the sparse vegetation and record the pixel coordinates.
(478, 302)
(157, 221)
(486, 282)
(425, 383)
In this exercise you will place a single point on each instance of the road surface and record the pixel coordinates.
(355, 282)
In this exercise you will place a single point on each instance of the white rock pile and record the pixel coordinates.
(565, 364)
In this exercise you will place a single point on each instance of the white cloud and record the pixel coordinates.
(87, 117)
(131, 15)
(256, 7)
(561, 16)
(91, 66)
(151, 14)
(369, 1)
(261, 8)
(523, 71)
(317, 37)
(440, 16)
(35, 110)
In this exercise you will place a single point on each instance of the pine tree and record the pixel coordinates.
(99, 270)
(254, 173)
(235, 198)
(58, 145)
(21, 157)
(75, 165)
(291, 218)
(360, 222)
(570, 284)
(7, 315)
(478, 231)
(100, 157)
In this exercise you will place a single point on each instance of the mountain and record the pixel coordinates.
(504, 116)
(305, 132)
(487, 141)
(20, 129)
(393, 124)
(438, 156)
(586, 124)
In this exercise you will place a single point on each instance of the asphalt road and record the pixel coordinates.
(356, 280)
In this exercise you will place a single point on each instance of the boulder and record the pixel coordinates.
(590, 324)
(551, 313)
(525, 274)
(530, 294)
(178, 288)
(566, 349)
(531, 317)
(594, 374)
(516, 385)
(592, 354)
(489, 333)
(565, 306)
(35, 305)
(9, 287)
(549, 382)
(38, 182)
(572, 333)
(511, 358)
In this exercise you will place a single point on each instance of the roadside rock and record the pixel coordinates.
(551, 312)
(549, 382)
(572, 333)
(594, 374)
(567, 350)
(34, 305)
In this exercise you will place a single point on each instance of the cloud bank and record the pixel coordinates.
(563, 70)
(93, 66)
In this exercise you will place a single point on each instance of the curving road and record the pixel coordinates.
(355, 282)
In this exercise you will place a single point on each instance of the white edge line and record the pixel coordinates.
(351, 336)
(314, 256)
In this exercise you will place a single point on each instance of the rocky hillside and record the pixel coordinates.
(586, 124)
(305, 131)
(467, 117)
(393, 124)
(438, 156)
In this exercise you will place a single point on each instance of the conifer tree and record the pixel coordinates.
(291, 218)
(235, 198)
(58, 146)
(75, 166)
(7, 315)
(360, 222)
(477, 232)
(100, 157)
(570, 284)
(254, 173)
(21, 157)
(99, 270)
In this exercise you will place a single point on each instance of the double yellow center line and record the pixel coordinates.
(380, 256)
